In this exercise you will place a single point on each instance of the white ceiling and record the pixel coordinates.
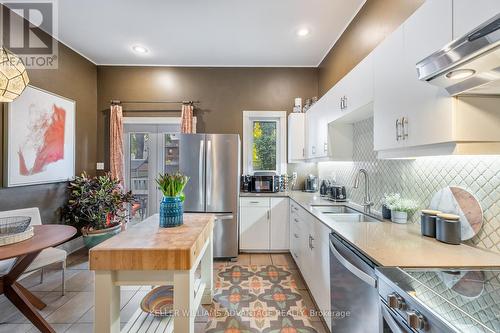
(204, 32)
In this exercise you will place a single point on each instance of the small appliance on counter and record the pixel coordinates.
(245, 183)
(311, 184)
(337, 193)
(261, 183)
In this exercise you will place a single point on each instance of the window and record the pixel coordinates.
(264, 134)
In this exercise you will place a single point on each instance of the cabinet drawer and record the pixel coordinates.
(254, 202)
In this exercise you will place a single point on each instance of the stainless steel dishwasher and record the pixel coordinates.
(354, 296)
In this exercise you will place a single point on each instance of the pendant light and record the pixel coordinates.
(13, 76)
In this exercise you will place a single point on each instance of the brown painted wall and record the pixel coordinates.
(376, 20)
(224, 92)
(75, 78)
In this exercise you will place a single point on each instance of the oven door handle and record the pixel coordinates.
(391, 322)
(353, 269)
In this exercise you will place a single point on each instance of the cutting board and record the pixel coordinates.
(459, 201)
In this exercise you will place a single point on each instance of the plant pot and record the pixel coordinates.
(93, 237)
(171, 212)
(386, 212)
(399, 217)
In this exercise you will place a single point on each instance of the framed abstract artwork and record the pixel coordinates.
(40, 139)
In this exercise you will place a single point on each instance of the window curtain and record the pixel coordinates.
(187, 118)
(116, 142)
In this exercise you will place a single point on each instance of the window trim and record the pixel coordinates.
(281, 158)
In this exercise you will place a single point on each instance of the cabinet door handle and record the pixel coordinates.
(254, 202)
(296, 220)
(345, 102)
(268, 215)
(341, 103)
(303, 152)
(404, 125)
(398, 124)
(296, 236)
(311, 242)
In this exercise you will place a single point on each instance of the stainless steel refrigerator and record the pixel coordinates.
(212, 161)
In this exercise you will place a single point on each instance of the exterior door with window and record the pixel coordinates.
(149, 150)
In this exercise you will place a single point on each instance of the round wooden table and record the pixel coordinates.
(26, 251)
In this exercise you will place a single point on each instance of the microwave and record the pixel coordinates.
(263, 184)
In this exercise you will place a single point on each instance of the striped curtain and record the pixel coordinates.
(116, 142)
(187, 118)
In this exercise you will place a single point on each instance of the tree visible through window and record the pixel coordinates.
(264, 145)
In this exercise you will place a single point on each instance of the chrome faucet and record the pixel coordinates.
(367, 204)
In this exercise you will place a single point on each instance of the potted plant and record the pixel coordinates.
(97, 207)
(401, 209)
(387, 201)
(172, 205)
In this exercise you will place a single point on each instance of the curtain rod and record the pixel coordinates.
(117, 102)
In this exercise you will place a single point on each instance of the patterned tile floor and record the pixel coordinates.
(74, 312)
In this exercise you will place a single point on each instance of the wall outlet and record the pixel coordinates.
(100, 166)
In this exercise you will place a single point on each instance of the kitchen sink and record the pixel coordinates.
(335, 210)
(343, 214)
(352, 217)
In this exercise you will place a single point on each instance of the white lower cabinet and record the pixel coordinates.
(309, 245)
(264, 224)
(279, 227)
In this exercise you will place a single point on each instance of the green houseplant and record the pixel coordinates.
(96, 206)
(172, 204)
(401, 209)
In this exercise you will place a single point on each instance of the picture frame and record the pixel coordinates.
(40, 139)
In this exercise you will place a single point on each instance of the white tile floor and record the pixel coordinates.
(74, 312)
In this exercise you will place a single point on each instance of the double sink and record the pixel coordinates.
(342, 214)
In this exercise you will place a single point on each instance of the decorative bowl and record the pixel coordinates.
(159, 301)
(14, 224)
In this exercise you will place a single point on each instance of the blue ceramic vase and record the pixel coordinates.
(171, 212)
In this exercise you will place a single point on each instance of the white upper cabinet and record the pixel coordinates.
(354, 91)
(468, 14)
(296, 137)
(388, 59)
(404, 106)
(427, 108)
(356, 88)
(414, 118)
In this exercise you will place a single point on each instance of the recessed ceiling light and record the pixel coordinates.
(303, 32)
(139, 49)
(460, 74)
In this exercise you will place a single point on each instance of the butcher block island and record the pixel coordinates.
(146, 254)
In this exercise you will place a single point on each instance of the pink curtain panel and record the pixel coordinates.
(187, 118)
(116, 142)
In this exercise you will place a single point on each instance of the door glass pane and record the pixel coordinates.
(171, 163)
(264, 145)
(139, 175)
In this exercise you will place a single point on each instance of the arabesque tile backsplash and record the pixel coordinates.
(420, 178)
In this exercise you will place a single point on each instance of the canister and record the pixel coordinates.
(428, 222)
(448, 229)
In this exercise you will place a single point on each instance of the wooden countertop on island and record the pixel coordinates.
(146, 246)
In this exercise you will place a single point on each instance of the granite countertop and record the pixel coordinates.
(391, 244)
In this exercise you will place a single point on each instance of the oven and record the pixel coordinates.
(264, 184)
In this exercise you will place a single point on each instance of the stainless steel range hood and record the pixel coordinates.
(468, 65)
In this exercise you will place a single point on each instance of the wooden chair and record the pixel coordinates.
(47, 257)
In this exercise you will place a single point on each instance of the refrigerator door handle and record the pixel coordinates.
(200, 169)
(209, 172)
(353, 269)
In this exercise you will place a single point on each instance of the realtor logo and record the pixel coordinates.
(27, 28)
